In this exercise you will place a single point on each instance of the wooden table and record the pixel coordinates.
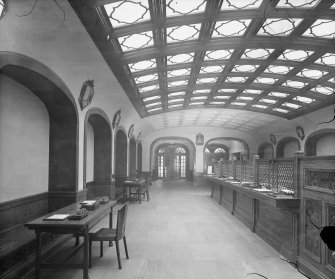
(140, 184)
(66, 226)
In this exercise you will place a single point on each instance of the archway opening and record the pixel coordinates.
(287, 147)
(265, 151)
(120, 161)
(320, 143)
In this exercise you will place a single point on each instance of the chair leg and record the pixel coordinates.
(125, 247)
(90, 253)
(118, 253)
(101, 248)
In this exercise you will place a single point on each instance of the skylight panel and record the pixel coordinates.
(179, 72)
(182, 33)
(294, 84)
(281, 70)
(179, 8)
(211, 69)
(180, 58)
(196, 103)
(314, 74)
(201, 91)
(154, 109)
(207, 80)
(252, 91)
(175, 100)
(245, 68)
(148, 88)
(292, 106)
(280, 110)
(323, 90)
(327, 59)
(268, 101)
(146, 78)
(175, 106)
(297, 3)
(218, 54)
(136, 41)
(217, 103)
(295, 55)
(142, 65)
(240, 4)
(258, 53)
(236, 79)
(230, 28)
(221, 97)
(238, 104)
(174, 94)
(153, 104)
(302, 99)
(279, 26)
(321, 28)
(245, 98)
(260, 106)
(278, 94)
(127, 12)
(199, 98)
(226, 90)
(265, 80)
(148, 99)
(177, 83)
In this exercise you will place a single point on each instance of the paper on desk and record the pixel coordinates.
(262, 190)
(89, 202)
(57, 217)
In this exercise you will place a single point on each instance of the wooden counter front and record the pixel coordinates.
(273, 218)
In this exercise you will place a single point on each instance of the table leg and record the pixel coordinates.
(140, 195)
(85, 254)
(111, 224)
(38, 255)
(147, 192)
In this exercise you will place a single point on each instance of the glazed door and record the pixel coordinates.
(162, 171)
(179, 166)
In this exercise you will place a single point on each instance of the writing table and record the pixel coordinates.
(140, 184)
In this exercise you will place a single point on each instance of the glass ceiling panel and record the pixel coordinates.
(179, 8)
(265, 80)
(252, 91)
(211, 69)
(217, 103)
(146, 78)
(260, 53)
(174, 94)
(280, 110)
(268, 101)
(279, 26)
(196, 103)
(199, 98)
(295, 55)
(302, 99)
(281, 70)
(292, 106)
(240, 4)
(314, 74)
(245, 68)
(142, 65)
(230, 28)
(294, 84)
(151, 98)
(218, 54)
(149, 88)
(207, 80)
(259, 106)
(244, 98)
(175, 100)
(278, 94)
(238, 104)
(182, 33)
(154, 109)
(180, 58)
(136, 41)
(220, 97)
(201, 91)
(236, 79)
(180, 72)
(152, 104)
(327, 59)
(297, 3)
(176, 105)
(177, 83)
(321, 29)
(127, 12)
(323, 90)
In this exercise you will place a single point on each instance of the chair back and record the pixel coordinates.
(121, 221)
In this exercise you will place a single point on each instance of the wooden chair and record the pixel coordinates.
(115, 235)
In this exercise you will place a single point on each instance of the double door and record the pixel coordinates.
(172, 165)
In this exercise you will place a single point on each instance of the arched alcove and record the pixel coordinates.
(173, 141)
(139, 157)
(120, 159)
(265, 150)
(98, 146)
(215, 152)
(63, 134)
(132, 157)
(287, 146)
(320, 143)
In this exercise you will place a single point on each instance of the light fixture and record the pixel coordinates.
(131, 130)
(86, 94)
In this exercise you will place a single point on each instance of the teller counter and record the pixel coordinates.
(272, 216)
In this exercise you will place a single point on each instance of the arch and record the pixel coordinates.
(139, 157)
(132, 157)
(262, 150)
(311, 143)
(120, 159)
(282, 143)
(210, 156)
(173, 140)
(245, 145)
(63, 115)
(102, 148)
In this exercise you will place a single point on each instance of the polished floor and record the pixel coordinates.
(184, 234)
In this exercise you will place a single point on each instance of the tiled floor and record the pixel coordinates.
(184, 234)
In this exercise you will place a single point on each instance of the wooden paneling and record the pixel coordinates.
(100, 188)
(243, 208)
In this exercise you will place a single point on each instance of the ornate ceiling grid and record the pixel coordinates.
(269, 56)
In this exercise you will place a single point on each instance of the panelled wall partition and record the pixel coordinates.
(120, 160)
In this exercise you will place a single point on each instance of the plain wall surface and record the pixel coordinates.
(326, 146)
(24, 142)
(290, 148)
(89, 153)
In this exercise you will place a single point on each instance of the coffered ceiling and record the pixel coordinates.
(222, 59)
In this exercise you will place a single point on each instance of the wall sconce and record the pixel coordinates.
(131, 130)
(86, 94)
(199, 139)
(116, 119)
(3, 8)
(273, 139)
(300, 132)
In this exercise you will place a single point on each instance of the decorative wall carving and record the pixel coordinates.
(312, 237)
(324, 179)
